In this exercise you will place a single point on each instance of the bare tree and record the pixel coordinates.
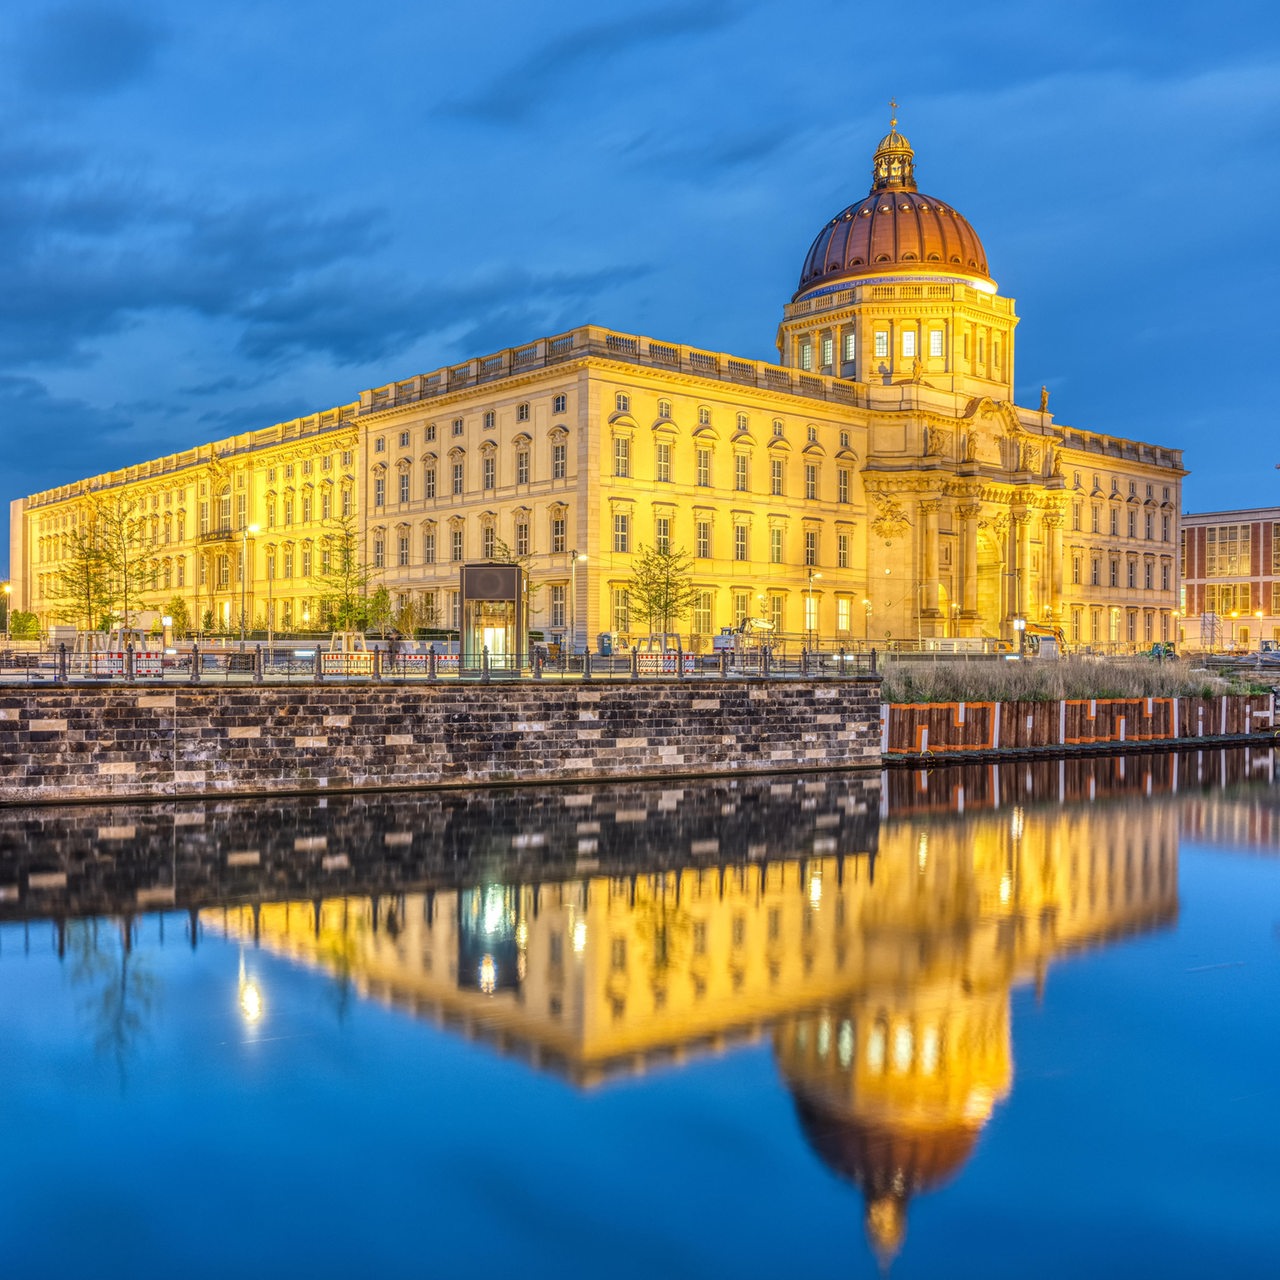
(661, 587)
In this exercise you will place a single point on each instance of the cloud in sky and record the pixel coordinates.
(85, 49)
(558, 67)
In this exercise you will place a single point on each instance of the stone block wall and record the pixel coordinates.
(119, 742)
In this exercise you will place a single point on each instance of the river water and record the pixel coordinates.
(1015, 1021)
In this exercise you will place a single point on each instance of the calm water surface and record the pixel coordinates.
(1015, 1022)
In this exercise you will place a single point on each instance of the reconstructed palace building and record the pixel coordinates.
(877, 484)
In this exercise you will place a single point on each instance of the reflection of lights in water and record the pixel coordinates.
(824, 1038)
(903, 1046)
(1006, 889)
(922, 850)
(495, 908)
(875, 1047)
(580, 936)
(488, 975)
(929, 1046)
(1015, 822)
(522, 934)
(815, 890)
(844, 1043)
(977, 1106)
(250, 995)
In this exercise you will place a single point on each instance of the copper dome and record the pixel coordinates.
(895, 228)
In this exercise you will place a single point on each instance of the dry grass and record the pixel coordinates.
(1036, 681)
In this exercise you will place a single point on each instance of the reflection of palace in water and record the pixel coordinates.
(884, 978)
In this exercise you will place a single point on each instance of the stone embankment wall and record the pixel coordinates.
(120, 742)
(920, 728)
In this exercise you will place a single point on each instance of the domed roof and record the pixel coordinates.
(895, 228)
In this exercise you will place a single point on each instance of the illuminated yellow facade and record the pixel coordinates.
(884, 980)
(877, 485)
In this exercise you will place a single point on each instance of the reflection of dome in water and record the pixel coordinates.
(887, 1164)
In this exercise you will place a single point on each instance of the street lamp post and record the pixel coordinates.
(1020, 626)
(244, 572)
(808, 610)
(8, 605)
(573, 601)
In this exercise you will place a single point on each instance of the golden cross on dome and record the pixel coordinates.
(893, 120)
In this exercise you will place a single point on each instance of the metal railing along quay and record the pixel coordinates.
(262, 664)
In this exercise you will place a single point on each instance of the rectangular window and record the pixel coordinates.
(1115, 523)
(456, 547)
(455, 609)
(1075, 571)
(908, 344)
(662, 535)
(704, 468)
(346, 504)
(429, 547)
(843, 479)
(810, 612)
(1148, 576)
(842, 551)
(404, 439)
(560, 404)
(741, 472)
(1132, 574)
(741, 607)
(1150, 526)
(1133, 524)
(457, 426)
(850, 347)
(557, 534)
(621, 456)
(1114, 579)
(429, 482)
(1075, 516)
(1164, 577)
(402, 550)
(777, 477)
(1227, 551)
(558, 463)
(703, 529)
(740, 542)
(522, 537)
(827, 352)
(522, 466)
(811, 546)
(457, 477)
(882, 344)
(806, 357)
(621, 533)
(935, 343)
(844, 614)
(557, 604)
(326, 503)
(810, 480)
(662, 462)
(488, 542)
(404, 487)
(702, 613)
(777, 611)
(1097, 519)
(379, 553)
(621, 609)
(775, 546)
(379, 494)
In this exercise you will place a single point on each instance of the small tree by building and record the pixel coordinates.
(661, 588)
(24, 626)
(344, 577)
(177, 610)
(83, 585)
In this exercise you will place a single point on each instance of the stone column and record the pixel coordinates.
(1022, 566)
(1053, 545)
(928, 585)
(968, 515)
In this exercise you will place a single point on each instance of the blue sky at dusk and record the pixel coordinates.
(217, 217)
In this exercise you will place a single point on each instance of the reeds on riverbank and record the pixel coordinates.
(1033, 680)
